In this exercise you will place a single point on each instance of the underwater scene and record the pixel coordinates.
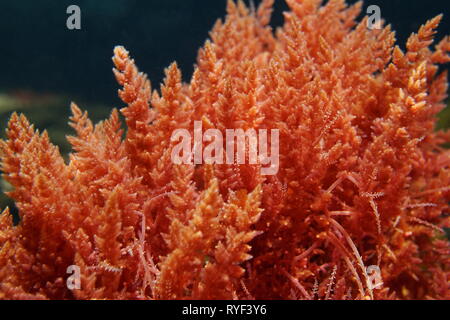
(224, 150)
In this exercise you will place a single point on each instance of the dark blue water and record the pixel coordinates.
(39, 53)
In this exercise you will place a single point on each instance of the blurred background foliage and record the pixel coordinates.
(45, 66)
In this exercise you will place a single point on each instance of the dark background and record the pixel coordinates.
(39, 53)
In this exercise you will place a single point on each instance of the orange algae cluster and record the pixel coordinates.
(363, 177)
